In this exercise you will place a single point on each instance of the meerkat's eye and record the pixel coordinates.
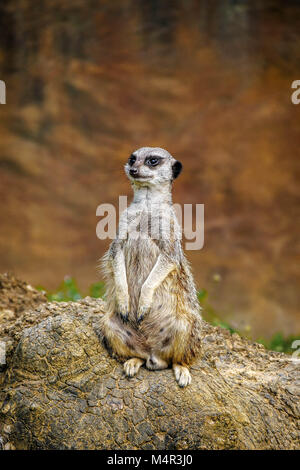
(132, 159)
(152, 161)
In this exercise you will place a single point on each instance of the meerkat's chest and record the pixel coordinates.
(147, 223)
(140, 246)
(141, 250)
(140, 256)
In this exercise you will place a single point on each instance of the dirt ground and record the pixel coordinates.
(18, 300)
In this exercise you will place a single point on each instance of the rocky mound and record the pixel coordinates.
(18, 304)
(62, 390)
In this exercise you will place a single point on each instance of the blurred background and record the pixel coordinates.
(89, 81)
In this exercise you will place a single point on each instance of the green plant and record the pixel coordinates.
(69, 291)
(280, 343)
(97, 290)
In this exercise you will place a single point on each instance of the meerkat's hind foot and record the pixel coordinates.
(132, 366)
(182, 375)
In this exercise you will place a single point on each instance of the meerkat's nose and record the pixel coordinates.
(133, 171)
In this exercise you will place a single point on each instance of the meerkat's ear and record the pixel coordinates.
(176, 168)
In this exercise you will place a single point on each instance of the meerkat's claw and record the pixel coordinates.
(132, 366)
(182, 375)
(145, 302)
(123, 313)
(124, 316)
(142, 312)
(139, 319)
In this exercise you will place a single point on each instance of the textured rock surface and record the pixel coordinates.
(62, 390)
(18, 301)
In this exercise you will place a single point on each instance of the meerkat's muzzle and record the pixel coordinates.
(133, 172)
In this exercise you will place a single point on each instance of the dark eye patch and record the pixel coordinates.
(153, 161)
(132, 159)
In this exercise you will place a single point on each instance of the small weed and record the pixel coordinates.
(68, 291)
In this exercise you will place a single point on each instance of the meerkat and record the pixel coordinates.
(153, 315)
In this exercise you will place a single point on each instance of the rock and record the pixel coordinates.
(16, 296)
(18, 304)
(62, 390)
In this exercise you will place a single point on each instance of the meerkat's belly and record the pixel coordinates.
(140, 258)
(161, 321)
(164, 320)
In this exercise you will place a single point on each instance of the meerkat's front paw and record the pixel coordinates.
(182, 375)
(123, 313)
(142, 312)
(123, 308)
(132, 366)
(145, 304)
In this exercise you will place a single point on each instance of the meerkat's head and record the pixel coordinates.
(151, 166)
